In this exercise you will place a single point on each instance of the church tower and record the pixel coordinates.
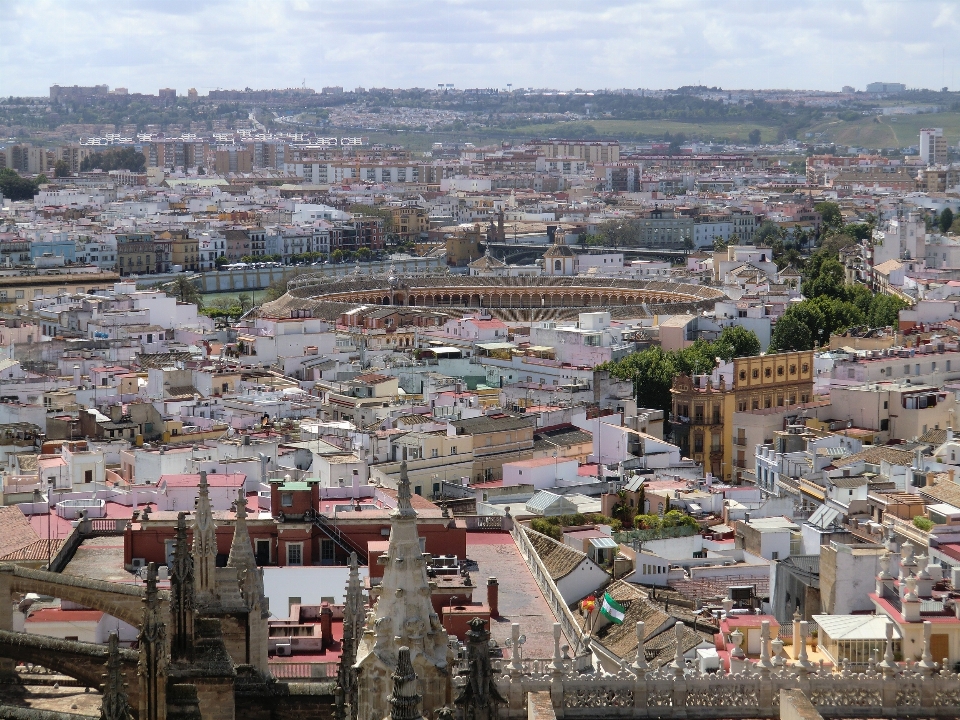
(402, 617)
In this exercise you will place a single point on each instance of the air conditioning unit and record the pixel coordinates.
(138, 563)
(284, 649)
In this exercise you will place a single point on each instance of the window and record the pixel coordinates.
(295, 553)
(286, 499)
(884, 425)
(88, 476)
(434, 453)
(743, 374)
(779, 370)
(805, 368)
(774, 555)
(262, 551)
(906, 369)
(767, 372)
(756, 374)
(326, 551)
(793, 369)
(453, 449)
(885, 404)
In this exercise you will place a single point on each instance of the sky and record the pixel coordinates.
(562, 44)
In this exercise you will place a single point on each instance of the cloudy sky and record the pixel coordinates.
(565, 44)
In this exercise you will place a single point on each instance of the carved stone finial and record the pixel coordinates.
(404, 497)
(405, 700)
(115, 703)
(182, 594)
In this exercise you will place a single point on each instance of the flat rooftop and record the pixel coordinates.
(521, 601)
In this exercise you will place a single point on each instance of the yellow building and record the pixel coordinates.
(184, 250)
(409, 221)
(703, 405)
(21, 289)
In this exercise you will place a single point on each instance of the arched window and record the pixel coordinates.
(557, 265)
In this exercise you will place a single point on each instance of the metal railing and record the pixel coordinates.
(302, 670)
(323, 522)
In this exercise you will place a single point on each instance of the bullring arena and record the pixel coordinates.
(519, 299)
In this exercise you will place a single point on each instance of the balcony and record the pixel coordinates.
(740, 440)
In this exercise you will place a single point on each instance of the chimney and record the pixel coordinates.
(76, 375)
(493, 597)
(326, 626)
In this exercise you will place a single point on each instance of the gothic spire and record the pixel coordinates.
(404, 508)
(152, 666)
(205, 543)
(479, 698)
(405, 700)
(182, 594)
(115, 704)
(241, 555)
(352, 619)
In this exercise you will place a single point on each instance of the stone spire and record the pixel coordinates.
(480, 699)
(182, 595)
(241, 555)
(250, 579)
(404, 497)
(403, 616)
(152, 666)
(405, 700)
(205, 544)
(115, 704)
(352, 620)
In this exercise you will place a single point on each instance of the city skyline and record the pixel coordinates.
(652, 44)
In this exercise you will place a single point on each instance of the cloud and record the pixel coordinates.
(810, 44)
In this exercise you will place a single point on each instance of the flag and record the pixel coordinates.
(612, 610)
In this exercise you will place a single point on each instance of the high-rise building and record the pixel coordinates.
(933, 146)
(882, 87)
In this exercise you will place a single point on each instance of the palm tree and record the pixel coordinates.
(184, 290)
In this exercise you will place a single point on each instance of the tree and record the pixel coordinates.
(546, 528)
(859, 231)
(245, 302)
(885, 311)
(275, 290)
(830, 214)
(15, 187)
(61, 169)
(184, 290)
(116, 159)
(736, 341)
(790, 334)
(618, 232)
(946, 220)
(336, 256)
(829, 280)
(754, 137)
(768, 232)
(364, 254)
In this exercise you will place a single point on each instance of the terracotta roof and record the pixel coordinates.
(875, 455)
(16, 532)
(35, 552)
(935, 437)
(560, 560)
(622, 639)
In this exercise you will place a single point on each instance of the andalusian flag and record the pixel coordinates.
(612, 610)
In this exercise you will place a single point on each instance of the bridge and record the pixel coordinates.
(124, 602)
(85, 662)
(515, 252)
